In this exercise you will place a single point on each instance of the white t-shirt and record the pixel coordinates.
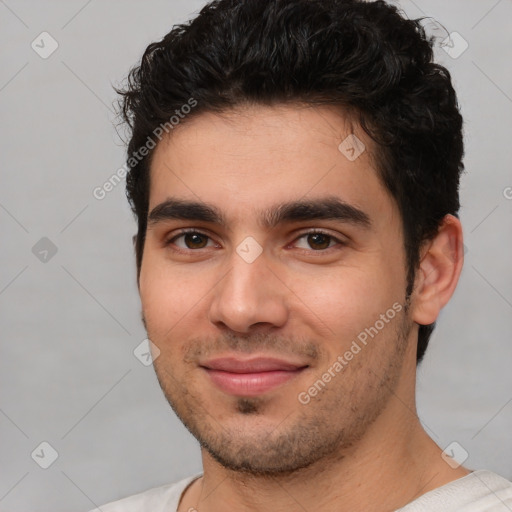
(479, 491)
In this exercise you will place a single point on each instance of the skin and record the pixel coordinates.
(358, 444)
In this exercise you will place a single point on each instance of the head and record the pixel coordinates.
(247, 107)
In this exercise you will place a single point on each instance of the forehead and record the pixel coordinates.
(249, 159)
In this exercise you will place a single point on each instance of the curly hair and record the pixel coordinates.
(365, 57)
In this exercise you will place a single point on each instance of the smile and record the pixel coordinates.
(251, 384)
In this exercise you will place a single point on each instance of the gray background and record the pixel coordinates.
(70, 325)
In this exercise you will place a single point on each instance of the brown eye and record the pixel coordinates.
(319, 241)
(190, 240)
(195, 240)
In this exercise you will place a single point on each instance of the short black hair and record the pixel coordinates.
(365, 57)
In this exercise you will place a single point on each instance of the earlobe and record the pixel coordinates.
(134, 242)
(439, 271)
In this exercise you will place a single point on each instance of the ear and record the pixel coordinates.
(134, 242)
(440, 267)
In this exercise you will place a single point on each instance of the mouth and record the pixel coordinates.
(251, 377)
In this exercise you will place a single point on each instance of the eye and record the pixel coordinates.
(319, 240)
(191, 238)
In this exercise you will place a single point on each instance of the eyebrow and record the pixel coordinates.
(326, 208)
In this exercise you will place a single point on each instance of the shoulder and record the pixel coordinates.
(157, 499)
(479, 491)
(495, 492)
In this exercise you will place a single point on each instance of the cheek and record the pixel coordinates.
(345, 301)
(166, 296)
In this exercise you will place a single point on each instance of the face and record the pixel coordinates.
(280, 316)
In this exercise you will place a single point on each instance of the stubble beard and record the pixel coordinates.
(318, 432)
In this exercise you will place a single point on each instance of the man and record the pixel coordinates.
(294, 170)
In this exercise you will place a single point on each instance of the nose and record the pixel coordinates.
(249, 296)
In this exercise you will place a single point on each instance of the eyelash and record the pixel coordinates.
(186, 231)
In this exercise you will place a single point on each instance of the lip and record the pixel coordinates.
(250, 377)
(254, 365)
